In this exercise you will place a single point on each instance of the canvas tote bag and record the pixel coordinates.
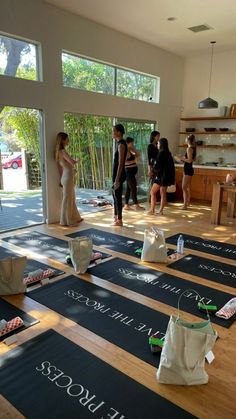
(81, 252)
(184, 350)
(154, 246)
(12, 275)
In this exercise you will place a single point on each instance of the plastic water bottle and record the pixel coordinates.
(180, 245)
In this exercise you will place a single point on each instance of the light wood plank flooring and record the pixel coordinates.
(217, 399)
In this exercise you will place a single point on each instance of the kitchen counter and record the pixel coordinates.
(202, 166)
(205, 177)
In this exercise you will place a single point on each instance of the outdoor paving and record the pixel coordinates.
(25, 209)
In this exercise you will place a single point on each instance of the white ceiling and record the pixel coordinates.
(147, 21)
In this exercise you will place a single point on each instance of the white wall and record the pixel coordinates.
(223, 90)
(196, 82)
(55, 30)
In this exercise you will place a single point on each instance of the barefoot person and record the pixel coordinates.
(188, 169)
(70, 215)
(131, 169)
(119, 174)
(165, 175)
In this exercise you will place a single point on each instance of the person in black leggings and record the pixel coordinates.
(131, 169)
(188, 160)
(119, 174)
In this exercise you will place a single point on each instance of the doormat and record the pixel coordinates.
(9, 311)
(206, 268)
(212, 247)
(121, 321)
(162, 287)
(43, 244)
(121, 244)
(31, 264)
(54, 377)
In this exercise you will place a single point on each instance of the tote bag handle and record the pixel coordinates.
(181, 295)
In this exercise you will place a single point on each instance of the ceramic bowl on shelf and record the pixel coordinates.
(224, 129)
(210, 129)
(199, 142)
(189, 129)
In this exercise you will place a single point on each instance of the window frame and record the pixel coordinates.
(156, 98)
(38, 56)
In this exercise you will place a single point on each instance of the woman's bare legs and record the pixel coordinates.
(153, 193)
(186, 186)
(163, 199)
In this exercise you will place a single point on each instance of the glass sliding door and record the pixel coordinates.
(22, 164)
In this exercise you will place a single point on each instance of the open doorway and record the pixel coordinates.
(21, 168)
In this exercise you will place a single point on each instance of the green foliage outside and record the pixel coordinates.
(91, 142)
(97, 77)
(90, 136)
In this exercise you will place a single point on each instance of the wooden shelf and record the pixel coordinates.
(208, 118)
(208, 132)
(210, 146)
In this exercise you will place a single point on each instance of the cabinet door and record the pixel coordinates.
(198, 186)
(178, 182)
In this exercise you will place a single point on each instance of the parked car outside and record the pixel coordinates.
(12, 162)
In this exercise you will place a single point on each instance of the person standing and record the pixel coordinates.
(152, 152)
(188, 160)
(165, 175)
(131, 169)
(70, 215)
(119, 174)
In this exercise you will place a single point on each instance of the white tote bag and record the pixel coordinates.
(12, 275)
(184, 350)
(154, 246)
(81, 252)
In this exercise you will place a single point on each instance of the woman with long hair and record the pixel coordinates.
(119, 174)
(188, 160)
(70, 215)
(131, 168)
(165, 175)
(152, 152)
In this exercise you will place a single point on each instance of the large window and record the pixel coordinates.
(140, 131)
(98, 77)
(136, 86)
(18, 58)
(87, 75)
(91, 143)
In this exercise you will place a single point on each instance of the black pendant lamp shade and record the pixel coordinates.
(209, 103)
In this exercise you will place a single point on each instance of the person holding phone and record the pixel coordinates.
(70, 215)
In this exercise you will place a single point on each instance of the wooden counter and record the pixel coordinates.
(203, 181)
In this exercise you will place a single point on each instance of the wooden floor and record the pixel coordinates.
(215, 400)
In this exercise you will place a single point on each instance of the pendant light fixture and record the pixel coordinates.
(209, 103)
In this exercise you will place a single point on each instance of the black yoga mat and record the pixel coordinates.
(212, 247)
(206, 268)
(31, 264)
(9, 311)
(57, 379)
(121, 244)
(43, 244)
(162, 287)
(121, 321)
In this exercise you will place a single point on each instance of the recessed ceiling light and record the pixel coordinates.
(171, 19)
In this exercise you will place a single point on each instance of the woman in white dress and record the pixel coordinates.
(70, 215)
